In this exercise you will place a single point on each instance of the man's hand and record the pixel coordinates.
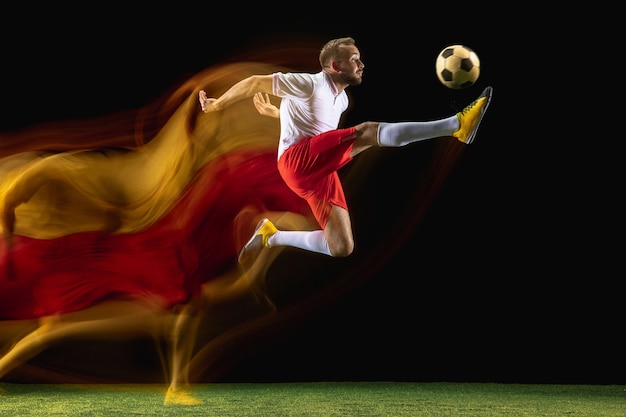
(264, 106)
(206, 103)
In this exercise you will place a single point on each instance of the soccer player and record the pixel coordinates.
(312, 148)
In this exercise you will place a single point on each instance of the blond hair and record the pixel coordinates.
(330, 51)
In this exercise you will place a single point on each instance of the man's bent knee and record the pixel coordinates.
(341, 249)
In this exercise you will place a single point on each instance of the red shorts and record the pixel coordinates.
(310, 169)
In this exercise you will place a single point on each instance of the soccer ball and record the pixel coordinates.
(457, 67)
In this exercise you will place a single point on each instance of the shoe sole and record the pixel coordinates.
(254, 236)
(486, 93)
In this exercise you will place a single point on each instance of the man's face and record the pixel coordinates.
(350, 65)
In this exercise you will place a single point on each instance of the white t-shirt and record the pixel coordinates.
(310, 105)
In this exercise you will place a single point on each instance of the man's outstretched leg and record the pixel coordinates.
(462, 125)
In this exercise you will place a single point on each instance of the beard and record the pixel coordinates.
(351, 79)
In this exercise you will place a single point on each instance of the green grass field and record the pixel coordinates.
(362, 399)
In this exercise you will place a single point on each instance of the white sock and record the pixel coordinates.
(403, 133)
(314, 241)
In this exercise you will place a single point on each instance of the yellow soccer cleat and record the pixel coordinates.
(258, 241)
(470, 117)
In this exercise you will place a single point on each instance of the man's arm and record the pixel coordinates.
(243, 89)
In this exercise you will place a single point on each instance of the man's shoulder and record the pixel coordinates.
(299, 80)
(302, 75)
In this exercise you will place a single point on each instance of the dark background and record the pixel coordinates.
(515, 274)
